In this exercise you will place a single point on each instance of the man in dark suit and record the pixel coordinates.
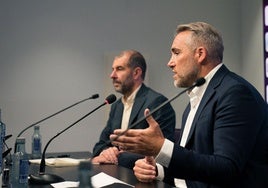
(224, 140)
(128, 73)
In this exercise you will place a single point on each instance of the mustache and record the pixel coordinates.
(116, 82)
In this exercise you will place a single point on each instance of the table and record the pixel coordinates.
(71, 173)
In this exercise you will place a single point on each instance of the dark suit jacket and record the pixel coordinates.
(227, 144)
(145, 98)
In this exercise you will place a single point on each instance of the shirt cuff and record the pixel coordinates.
(164, 156)
(160, 172)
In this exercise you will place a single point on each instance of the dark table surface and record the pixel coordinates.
(71, 173)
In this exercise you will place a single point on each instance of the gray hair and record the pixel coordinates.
(207, 35)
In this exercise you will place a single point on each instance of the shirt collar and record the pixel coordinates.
(131, 98)
(199, 91)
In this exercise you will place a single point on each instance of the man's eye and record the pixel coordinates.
(119, 68)
(176, 53)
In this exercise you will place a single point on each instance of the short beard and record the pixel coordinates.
(126, 89)
(127, 86)
(187, 81)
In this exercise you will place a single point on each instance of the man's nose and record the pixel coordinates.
(170, 63)
(113, 74)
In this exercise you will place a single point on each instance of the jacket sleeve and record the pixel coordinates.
(104, 136)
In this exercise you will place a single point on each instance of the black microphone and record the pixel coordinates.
(7, 137)
(6, 152)
(44, 179)
(95, 96)
(199, 82)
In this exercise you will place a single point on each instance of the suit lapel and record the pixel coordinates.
(204, 101)
(209, 93)
(139, 101)
(118, 114)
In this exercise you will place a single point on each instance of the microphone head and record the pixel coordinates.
(95, 96)
(7, 137)
(200, 82)
(110, 99)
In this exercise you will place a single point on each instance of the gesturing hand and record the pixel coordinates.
(143, 141)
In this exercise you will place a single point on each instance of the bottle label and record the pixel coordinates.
(24, 170)
(36, 144)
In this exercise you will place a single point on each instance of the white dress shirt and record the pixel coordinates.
(128, 104)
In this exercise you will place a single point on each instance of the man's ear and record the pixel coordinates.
(201, 54)
(137, 72)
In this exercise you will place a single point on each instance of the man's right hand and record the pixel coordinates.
(145, 169)
(108, 155)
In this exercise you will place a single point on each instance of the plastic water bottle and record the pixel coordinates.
(20, 165)
(85, 173)
(2, 149)
(36, 143)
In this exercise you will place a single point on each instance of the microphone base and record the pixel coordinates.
(44, 179)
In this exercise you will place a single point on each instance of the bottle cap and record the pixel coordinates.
(20, 140)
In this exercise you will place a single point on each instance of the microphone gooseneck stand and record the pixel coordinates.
(42, 178)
